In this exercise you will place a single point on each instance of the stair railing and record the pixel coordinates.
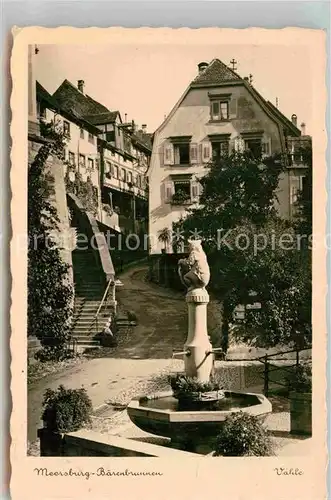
(270, 367)
(102, 302)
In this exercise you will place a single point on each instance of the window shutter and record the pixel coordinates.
(195, 191)
(176, 155)
(169, 190)
(206, 152)
(239, 145)
(233, 108)
(200, 188)
(193, 153)
(266, 147)
(168, 154)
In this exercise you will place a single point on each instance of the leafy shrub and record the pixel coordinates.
(300, 380)
(185, 387)
(66, 410)
(243, 435)
(131, 316)
(53, 353)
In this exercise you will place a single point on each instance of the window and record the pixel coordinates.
(90, 164)
(123, 174)
(91, 138)
(81, 133)
(219, 149)
(82, 161)
(115, 171)
(254, 146)
(182, 154)
(66, 128)
(110, 137)
(183, 187)
(129, 177)
(72, 158)
(107, 167)
(219, 106)
(220, 110)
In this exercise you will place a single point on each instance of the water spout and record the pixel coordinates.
(182, 353)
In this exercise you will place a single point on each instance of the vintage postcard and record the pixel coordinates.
(168, 260)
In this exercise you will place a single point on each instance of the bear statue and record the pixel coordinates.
(194, 271)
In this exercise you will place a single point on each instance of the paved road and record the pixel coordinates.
(161, 315)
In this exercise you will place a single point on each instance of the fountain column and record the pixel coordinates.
(198, 358)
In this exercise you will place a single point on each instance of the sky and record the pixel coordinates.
(146, 81)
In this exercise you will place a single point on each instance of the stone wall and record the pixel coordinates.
(86, 443)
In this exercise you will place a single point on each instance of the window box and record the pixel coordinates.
(180, 197)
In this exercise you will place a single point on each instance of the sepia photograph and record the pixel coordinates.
(169, 302)
(168, 261)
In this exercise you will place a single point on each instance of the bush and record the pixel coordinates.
(185, 387)
(300, 380)
(131, 316)
(66, 410)
(53, 353)
(243, 435)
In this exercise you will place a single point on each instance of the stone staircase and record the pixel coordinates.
(89, 289)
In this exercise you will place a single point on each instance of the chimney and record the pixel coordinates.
(294, 120)
(80, 86)
(303, 128)
(202, 66)
(246, 79)
(125, 117)
(143, 128)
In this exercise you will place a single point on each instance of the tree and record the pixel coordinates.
(49, 290)
(164, 236)
(238, 222)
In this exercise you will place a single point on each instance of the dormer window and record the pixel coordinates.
(219, 106)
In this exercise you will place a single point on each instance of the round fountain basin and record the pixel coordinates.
(161, 414)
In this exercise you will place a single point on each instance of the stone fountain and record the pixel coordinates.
(160, 413)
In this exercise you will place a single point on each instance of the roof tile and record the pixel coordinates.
(216, 72)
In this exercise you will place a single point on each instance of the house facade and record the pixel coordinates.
(109, 159)
(218, 112)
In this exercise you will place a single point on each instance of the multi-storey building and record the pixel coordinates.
(112, 156)
(218, 112)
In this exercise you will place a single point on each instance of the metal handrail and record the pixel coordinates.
(95, 319)
(267, 364)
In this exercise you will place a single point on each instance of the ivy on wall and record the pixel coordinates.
(49, 289)
(84, 190)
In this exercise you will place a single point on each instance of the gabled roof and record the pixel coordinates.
(215, 72)
(282, 117)
(101, 118)
(44, 96)
(143, 138)
(74, 101)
